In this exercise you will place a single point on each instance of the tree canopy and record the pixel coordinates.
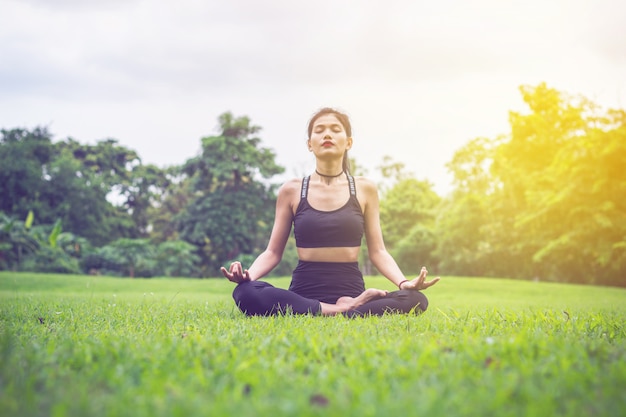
(544, 200)
(231, 210)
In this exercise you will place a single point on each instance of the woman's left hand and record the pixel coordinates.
(236, 273)
(420, 282)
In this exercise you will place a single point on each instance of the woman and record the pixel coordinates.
(330, 211)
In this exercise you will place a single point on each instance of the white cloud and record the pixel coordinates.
(418, 78)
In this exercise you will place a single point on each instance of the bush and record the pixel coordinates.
(48, 259)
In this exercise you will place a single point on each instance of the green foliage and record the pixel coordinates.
(66, 181)
(142, 191)
(132, 254)
(76, 200)
(28, 223)
(172, 202)
(544, 201)
(74, 246)
(417, 249)
(407, 217)
(231, 210)
(110, 163)
(177, 259)
(103, 261)
(54, 235)
(141, 258)
(407, 203)
(76, 346)
(71, 184)
(23, 156)
(16, 241)
(51, 259)
(462, 243)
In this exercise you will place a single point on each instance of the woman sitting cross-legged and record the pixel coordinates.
(330, 211)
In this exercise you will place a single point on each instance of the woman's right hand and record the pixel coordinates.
(420, 282)
(236, 273)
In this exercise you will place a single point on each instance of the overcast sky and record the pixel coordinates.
(418, 78)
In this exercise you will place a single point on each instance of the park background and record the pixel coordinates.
(543, 202)
(149, 139)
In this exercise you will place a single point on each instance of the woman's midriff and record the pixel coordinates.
(343, 254)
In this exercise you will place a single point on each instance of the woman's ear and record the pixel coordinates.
(308, 144)
(349, 143)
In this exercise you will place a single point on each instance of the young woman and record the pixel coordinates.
(330, 211)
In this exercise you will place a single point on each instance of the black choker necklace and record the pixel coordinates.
(328, 176)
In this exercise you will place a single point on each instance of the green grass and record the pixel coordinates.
(96, 346)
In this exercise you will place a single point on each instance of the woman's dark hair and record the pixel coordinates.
(345, 122)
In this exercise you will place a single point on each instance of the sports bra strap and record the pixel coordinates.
(352, 185)
(305, 187)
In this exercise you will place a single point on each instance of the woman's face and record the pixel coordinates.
(328, 136)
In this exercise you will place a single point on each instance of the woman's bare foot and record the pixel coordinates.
(344, 304)
(369, 294)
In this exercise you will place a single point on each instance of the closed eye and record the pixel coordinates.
(337, 128)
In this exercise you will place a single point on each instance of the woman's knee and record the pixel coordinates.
(247, 297)
(415, 299)
(422, 301)
(245, 290)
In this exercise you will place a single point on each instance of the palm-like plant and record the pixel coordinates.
(16, 240)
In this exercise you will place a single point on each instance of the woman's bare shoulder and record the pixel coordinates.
(292, 184)
(290, 188)
(366, 185)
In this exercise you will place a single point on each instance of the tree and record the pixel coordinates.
(77, 199)
(112, 180)
(68, 181)
(407, 213)
(173, 200)
(544, 201)
(462, 245)
(465, 236)
(107, 161)
(143, 191)
(569, 208)
(24, 156)
(232, 205)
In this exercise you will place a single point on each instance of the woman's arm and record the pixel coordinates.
(378, 254)
(273, 254)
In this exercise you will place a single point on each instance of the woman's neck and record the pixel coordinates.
(329, 173)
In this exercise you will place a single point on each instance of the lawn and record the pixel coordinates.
(101, 346)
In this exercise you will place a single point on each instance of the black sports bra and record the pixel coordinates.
(343, 227)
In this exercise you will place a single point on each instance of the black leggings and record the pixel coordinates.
(260, 298)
